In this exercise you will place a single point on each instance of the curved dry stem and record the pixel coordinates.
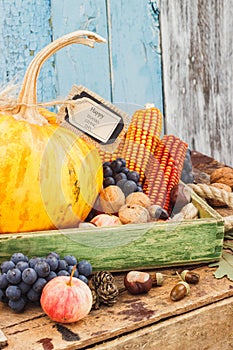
(27, 99)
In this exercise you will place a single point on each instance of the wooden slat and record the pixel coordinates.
(198, 74)
(33, 330)
(78, 64)
(24, 30)
(135, 53)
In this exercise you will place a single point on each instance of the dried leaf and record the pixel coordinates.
(225, 266)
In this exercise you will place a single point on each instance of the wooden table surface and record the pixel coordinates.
(202, 320)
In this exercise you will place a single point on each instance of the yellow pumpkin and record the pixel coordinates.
(49, 178)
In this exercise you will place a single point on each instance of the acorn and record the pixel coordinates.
(179, 291)
(138, 282)
(157, 278)
(190, 276)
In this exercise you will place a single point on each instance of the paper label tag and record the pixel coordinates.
(94, 118)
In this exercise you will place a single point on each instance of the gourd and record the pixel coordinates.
(49, 178)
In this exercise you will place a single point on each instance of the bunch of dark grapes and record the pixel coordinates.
(22, 279)
(187, 172)
(116, 173)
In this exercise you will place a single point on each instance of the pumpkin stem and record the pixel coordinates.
(27, 99)
(71, 276)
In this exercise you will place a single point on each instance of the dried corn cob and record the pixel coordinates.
(141, 139)
(107, 156)
(164, 170)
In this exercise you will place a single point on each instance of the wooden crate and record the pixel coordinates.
(126, 247)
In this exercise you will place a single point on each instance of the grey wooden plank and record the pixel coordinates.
(197, 43)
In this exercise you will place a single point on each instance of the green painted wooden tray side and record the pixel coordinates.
(127, 247)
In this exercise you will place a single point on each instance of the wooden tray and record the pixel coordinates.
(131, 246)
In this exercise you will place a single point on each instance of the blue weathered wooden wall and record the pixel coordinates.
(126, 70)
(25, 28)
(189, 75)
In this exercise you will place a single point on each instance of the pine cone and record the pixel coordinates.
(103, 289)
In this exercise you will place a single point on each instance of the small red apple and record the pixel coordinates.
(66, 299)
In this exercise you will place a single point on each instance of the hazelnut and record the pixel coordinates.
(133, 214)
(111, 199)
(137, 282)
(139, 198)
(106, 220)
(180, 196)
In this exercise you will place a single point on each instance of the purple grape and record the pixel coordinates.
(17, 305)
(3, 281)
(7, 265)
(22, 265)
(71, 260)
(2, 296)
(33, 261)
(70, 268)
(52, 261)
(62, 265)
(63, 273)
(123, 161)
(16, 257)
(42, 268)
(107, 171)
(108, 181)
(14, 276)
(120, 176)
(106, 164)
(54, 254)
(125, 170)
(83, 278)
(116, 165)
(133, 175)
(129, 187)
(84, 268)
(39, 284)
(33, 296)
(51, 275)
(24, 287)
(121, 183)
(13, 292)
(29, 275)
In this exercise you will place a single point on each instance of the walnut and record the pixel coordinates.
(111, 199)
(223, 175)
(139, 198)
(215, 202)
(133, 214)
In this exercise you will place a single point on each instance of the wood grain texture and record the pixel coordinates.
(127, 71)
(127, 247)
(25, 28)
(78, 64)
(205, 328)
(135, 53)
(197, 42)
(198, 315)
